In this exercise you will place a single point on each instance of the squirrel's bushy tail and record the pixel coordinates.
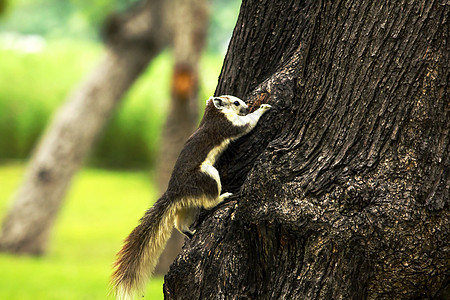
(141, 250)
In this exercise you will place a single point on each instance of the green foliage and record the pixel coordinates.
(102, 207)
(3, 6)
(32, 86)
(95, 11)
(224, 14)
(80, 18)
(83, 18)
(43, 17)
(37, 84)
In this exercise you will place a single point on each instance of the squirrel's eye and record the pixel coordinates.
(236, 103)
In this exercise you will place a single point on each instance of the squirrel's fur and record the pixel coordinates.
(194, 183)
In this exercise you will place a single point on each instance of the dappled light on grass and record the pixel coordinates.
(100, 209)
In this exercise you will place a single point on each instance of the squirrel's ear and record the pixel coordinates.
(218, 103)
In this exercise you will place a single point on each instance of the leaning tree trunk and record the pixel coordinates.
(133, 39)
(188, 23)
(342, 190)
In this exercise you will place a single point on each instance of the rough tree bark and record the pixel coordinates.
(133, 39)
(342, 190)
(188, 23)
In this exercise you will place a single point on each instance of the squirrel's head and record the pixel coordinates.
(229, 104)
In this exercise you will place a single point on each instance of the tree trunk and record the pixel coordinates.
(342, 190)
(133, 39)
(188, 23)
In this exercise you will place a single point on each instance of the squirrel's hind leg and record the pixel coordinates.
(184, 218)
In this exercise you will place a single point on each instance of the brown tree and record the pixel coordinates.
(342, 190)
(133, 39)
(188, 24)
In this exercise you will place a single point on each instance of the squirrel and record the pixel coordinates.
(194, 183)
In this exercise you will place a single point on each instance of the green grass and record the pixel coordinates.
(101, 208)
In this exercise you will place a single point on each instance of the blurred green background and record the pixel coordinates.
(46, 49)
(101, 208)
